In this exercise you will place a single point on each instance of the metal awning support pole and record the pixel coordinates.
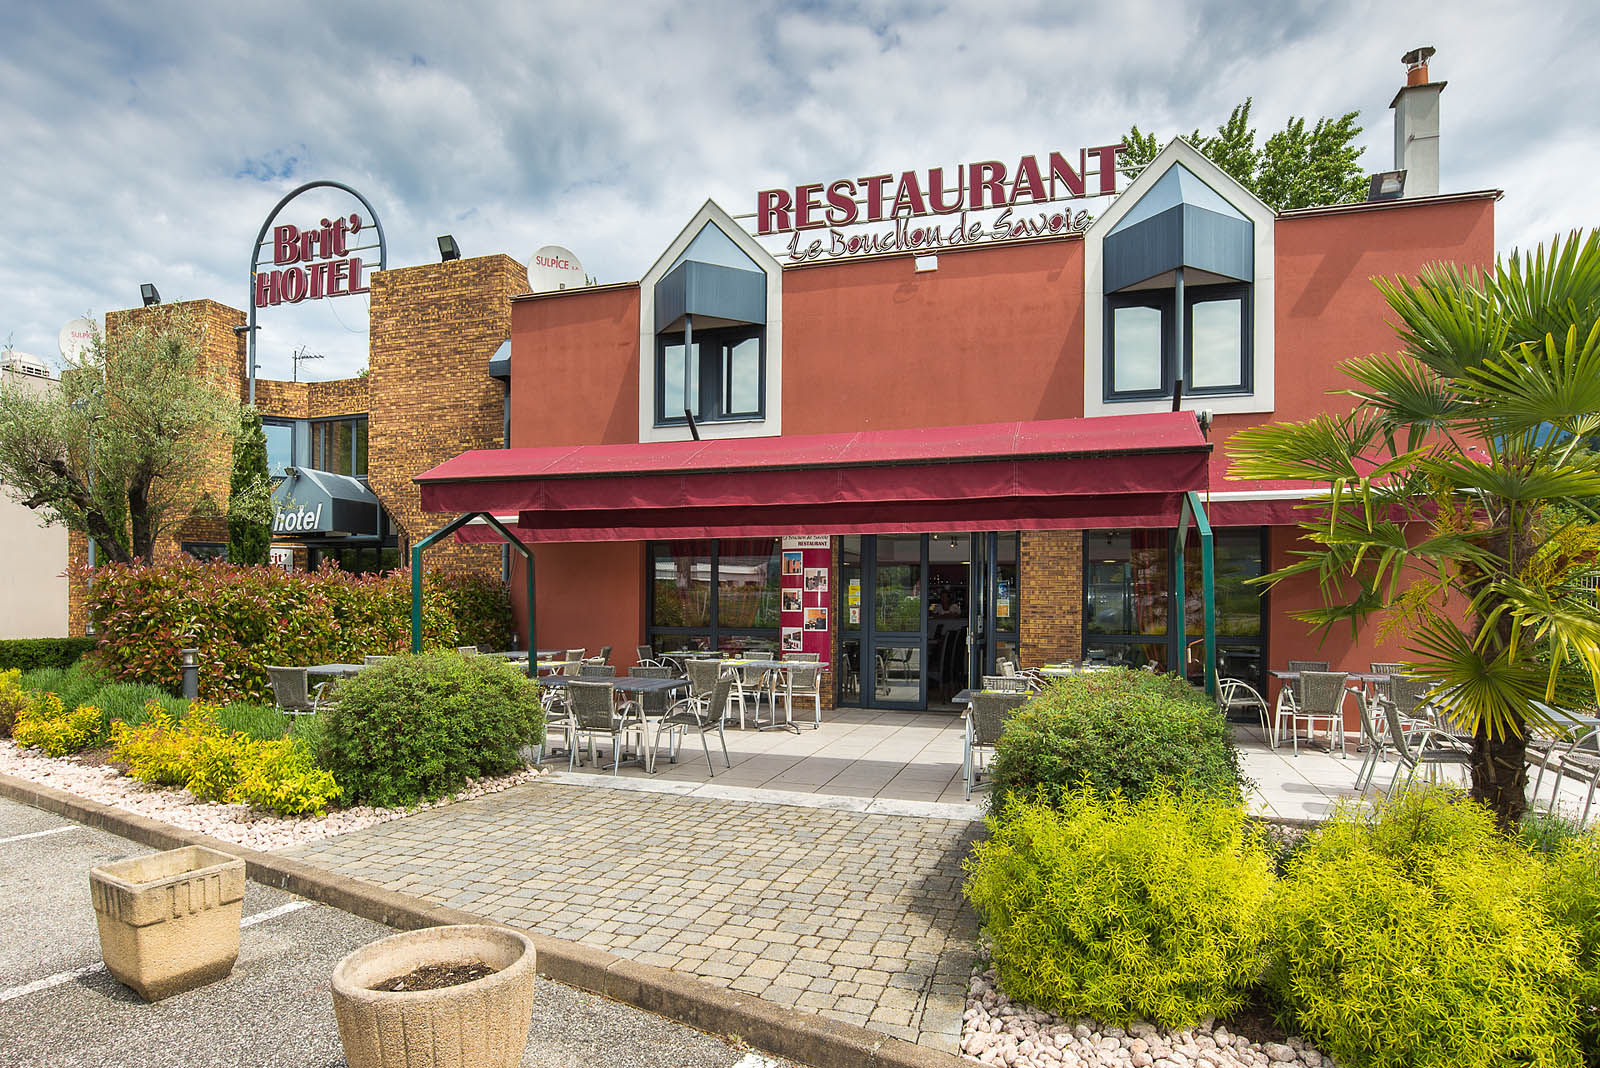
(416, 573)
(527, 555)
(1208, 584)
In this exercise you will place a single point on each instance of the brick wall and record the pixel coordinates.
(342, 396)
(1052, 596)
(434, 328)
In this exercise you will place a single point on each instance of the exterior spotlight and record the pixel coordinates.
(448, 249)
(147, 292)
(1387, 185)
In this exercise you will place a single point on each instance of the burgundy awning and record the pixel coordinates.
(1121, 471)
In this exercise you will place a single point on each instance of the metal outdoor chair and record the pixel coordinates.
(595, 711)
(703, 676)
(1303, 666)
(574, 659)
(701, 714)
(605, 654)
(1236, 695)
(369, 661)
(984, 722)
(646, 656)
(468, 650)
(803, 680)
(1384, 667)
(1322, 701)
(292, 696)
(1419, 748)
(594, 669)
(652, 704)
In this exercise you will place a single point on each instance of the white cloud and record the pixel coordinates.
(148, 144)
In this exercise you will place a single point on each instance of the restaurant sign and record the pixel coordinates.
(979, 202)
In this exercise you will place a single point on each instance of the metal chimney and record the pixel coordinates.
(1416, 126)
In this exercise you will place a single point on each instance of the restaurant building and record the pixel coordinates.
(972, 447)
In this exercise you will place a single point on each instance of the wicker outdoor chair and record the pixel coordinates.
(595, 711)
(702, 715)
(984, 722)
(293, 696)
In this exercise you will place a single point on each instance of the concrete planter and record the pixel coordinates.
(169, 922)
(481, 1024)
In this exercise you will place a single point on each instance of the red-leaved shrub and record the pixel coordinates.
(244, 618)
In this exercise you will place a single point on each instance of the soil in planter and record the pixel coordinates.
(438, 976)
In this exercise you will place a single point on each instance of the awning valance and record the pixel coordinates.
(1060, 474)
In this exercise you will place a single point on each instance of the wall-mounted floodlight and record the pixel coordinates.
(148, 293)
(1387, 185)
(448, 249)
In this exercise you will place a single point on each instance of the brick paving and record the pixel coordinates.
(854, 916)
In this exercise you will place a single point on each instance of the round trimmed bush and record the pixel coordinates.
(1415, 935)
(421, 725)
(1124, 909)
(1117, 731)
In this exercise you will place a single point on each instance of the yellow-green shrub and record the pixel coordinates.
(46, 724)
(213, 762)
(156, 751)
(1572, 893)
(14, 700)
(1416, 935)
(1123, 909)
(283, 776)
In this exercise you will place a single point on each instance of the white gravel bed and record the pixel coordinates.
(998, 1031)
(238, 824)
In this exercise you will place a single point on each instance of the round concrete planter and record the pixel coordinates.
(169, 922)
(481, 1024)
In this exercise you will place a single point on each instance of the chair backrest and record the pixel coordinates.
(751, 676)
(1380, 668)
(289, 687)
(575, 654)
(805, 679)
(1368, 731)
(653, 703)
(1303, 666)
(593, 704)
(1007, 667)
(643, 652)
(1008, 683)
(1236, 693)
(467, 650)
(1406, 694)
(717, 702)
(1322, 692)
(1397, 736)
(812, 657)
(650, 672)
(590, 670)
(605, 654)
(703, 675)
(370, 660)
(989, 714)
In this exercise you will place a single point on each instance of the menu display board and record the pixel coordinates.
(803, 607)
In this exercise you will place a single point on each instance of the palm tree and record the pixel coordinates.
(1456, 500)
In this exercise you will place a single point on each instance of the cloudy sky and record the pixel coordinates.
(147, 142)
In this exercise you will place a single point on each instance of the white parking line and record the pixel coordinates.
(77, 973)
(755, 1060)
(40, 834)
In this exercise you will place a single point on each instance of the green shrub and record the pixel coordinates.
(14, 700)
(1121, 909)
(1572, 893)
(1547, 832)
(283, 777)
(249, 617)
(46, 723)
(29, 654)
(1116, 731)
(1416, 935)
(155, 750)
(420, 725)
(481, 607)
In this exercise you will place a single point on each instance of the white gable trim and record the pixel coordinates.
(1263, 294)
(772, 424)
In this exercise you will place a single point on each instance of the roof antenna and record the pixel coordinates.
(687, 414)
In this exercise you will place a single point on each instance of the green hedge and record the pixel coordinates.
(419, 726)
(1117, 731)
(245, 618)
(28, 654)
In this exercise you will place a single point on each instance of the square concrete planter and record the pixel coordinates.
(169, 922)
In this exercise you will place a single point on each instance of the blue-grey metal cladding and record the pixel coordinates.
(1182, 236)
(694, 288)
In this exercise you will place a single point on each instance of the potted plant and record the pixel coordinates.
(446, 997)
(169, 922)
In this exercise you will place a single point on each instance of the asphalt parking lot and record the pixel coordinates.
(59, 1008)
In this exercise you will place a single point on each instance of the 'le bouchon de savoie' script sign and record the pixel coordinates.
(329, 270)
(977, 187)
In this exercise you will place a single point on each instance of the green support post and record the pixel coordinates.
(416, 571)
(1208, 586)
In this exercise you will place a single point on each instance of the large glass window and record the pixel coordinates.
(714, 594)
(1216, 342)
(280, 446)
(340, 446)
(723, 378)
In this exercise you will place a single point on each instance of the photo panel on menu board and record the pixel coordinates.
(816, 619)
(794, 639)
(816, 580)
(793, 562)
(793, 601)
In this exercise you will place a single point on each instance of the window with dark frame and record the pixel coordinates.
(340, 445)
(724, 379)
(1217, 349)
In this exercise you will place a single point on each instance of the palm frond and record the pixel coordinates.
(1553, 382)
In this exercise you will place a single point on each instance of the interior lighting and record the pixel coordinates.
(448, 249)
(148, 293)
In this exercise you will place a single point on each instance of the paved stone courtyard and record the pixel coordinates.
(852, 915)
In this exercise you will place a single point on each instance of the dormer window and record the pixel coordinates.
(1141, 341)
